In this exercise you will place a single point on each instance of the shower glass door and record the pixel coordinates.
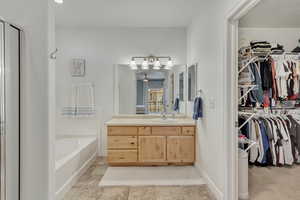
(9, 111)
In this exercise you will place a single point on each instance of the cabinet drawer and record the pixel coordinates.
(166, 131)
(144, 130)
(122, 131)
(122, 142)
(188, 130)
(121, 156)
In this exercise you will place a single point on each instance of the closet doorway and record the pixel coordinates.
(263, 94)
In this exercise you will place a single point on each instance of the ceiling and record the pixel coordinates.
(273, 14)
(126, 13)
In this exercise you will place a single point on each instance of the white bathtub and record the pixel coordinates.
(73, 155)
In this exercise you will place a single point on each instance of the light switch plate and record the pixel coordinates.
(212, 103)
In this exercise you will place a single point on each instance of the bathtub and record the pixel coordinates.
(73, 155)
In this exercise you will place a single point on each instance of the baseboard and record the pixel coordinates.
(211, 185)
(72, 180)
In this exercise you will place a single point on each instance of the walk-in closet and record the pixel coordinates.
(269, 101)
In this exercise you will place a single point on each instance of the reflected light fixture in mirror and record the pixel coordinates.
(145, 64)
(157, 64)
(169, 64)
(133, 65)
(145, 78)
(59, 1)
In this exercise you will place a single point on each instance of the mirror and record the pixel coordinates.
(181, 86)
(192, 82)
(149, 91)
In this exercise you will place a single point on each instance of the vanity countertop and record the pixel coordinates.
(130, 121)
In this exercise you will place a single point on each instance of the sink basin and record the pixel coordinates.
(163, 120)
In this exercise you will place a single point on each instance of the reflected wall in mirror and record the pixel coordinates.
(149, 91)
(181, 86)
(192, 82)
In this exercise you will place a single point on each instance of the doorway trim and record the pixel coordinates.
(230, 64)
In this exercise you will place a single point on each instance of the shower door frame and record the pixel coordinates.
(3, 188)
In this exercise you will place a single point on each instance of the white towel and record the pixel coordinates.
(82, 101)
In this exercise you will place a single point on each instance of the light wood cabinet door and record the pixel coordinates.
(152, 148)
(180, 149)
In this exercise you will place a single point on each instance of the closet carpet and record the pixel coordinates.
(87, 188)
(274, 183)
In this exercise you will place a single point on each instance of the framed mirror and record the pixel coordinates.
(149, 92)
(192, 82)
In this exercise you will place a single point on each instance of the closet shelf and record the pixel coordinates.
(246, 86)
(251, 87)
(247, 64)
(246, 113)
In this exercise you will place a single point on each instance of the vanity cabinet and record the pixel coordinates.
(151, 145)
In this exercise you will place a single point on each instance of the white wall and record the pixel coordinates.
(288, 37)
(102, 49)
(206, 41)
(32, 16)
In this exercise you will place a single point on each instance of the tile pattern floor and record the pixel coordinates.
(87, 189)
(274, 183)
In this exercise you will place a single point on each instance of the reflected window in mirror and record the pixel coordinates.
(150, 91)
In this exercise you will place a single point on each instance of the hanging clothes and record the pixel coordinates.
(277, 139)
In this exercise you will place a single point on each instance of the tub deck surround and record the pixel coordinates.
(74, 155)
(151, 141)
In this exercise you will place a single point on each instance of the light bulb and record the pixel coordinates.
(133, 65)
(156, 65)
(145, 64)
(169, 64)
(59, 1)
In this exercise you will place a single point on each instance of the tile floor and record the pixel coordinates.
(87, 189)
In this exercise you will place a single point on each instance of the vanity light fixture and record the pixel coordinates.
(59, 1)
(169, 64)
(145, 64)
(153, 62)
(157, 64)
(133, 64)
